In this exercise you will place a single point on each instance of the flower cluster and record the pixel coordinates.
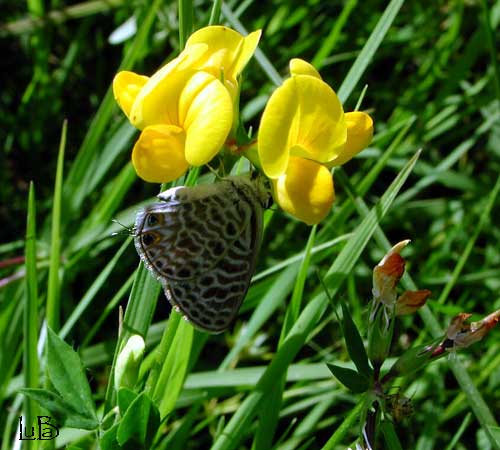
(185, 110)
(303, 132)
(188, 110)
(386, 304)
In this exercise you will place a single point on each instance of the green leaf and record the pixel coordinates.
(125, 397)
(67, 375)
(390, 437)
(140, 423)
(64, 413)
(350, 378)
(495, 433)
(138, 316)
(471, 242)
(359, 410)
(354, 343)
(109, 440)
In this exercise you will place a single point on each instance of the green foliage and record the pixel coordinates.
(431, 71)
(71, 401)
(139, 424)
(351, 379)
(354, 343)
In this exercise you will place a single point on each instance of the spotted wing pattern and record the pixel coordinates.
(201, 243)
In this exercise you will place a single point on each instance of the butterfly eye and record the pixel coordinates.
(147, 239)
(152, 219)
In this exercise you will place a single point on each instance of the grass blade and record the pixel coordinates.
(369, 49)
(174, 369)
(237, 427)
(54, 283)
(30, 356)
(76, 186)
(329, 43)
(470, 244)
(91, 293)
(185, 21)
(270, 411)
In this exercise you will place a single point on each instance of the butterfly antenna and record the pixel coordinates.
(215, 172)
(127, 230)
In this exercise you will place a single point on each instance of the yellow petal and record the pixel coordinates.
(161, 104)
(303, 117)
(305, 191)
(359, 136)
(246, 51)
(411, 301)
(275, 125)
(320, 125)
(228, 51)
(158, 155)
(126, 86)
(301, 67)
(157, 101)
(206, 113)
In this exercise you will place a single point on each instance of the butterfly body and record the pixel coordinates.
(202, 243)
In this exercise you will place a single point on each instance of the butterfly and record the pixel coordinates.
(202, 243)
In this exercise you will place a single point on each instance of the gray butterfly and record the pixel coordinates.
(202, 243)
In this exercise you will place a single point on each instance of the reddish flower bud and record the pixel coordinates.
(386, 275)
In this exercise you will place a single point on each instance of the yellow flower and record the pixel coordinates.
(186, 109)
(302, 130)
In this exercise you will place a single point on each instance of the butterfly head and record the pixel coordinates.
(258, 184)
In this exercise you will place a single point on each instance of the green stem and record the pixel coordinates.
(185, 21)
(215, 14)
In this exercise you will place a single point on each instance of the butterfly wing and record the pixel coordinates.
(202, 244)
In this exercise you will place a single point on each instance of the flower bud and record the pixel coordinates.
(380, 331)
(463, 335)
(128, 362)
(386, 275)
